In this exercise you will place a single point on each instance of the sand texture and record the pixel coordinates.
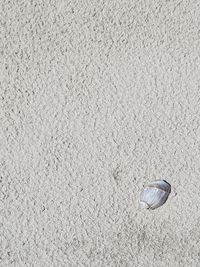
(97, 98)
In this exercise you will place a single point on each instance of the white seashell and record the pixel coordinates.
(155, 194)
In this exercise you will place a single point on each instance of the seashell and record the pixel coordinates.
(155, 194)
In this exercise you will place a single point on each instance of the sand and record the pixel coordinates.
(96, 99)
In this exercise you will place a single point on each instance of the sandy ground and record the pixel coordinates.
(96, 99)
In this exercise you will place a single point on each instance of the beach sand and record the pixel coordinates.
(96, 99)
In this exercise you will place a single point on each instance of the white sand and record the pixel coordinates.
(96, 99)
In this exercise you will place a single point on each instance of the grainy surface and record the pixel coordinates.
(96, 99)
